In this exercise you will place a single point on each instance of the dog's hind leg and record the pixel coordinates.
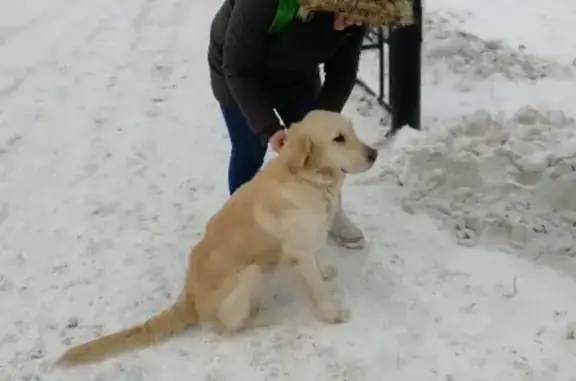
(237, 309)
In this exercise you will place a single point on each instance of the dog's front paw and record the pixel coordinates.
(331, 314)
(328, 272)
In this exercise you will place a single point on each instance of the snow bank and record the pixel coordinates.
(497, 180)
(446, 49)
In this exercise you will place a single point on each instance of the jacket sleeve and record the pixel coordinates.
(340, 73)
(243, 54)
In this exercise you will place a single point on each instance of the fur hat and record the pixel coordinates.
(374, 12)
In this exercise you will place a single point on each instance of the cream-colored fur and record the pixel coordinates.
(281, 216)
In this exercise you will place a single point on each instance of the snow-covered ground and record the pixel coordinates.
(113, 156)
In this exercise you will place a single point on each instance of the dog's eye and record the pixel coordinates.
(339, 139)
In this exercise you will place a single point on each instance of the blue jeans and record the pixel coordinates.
(248, 150)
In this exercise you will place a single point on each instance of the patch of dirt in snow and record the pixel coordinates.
(498, 180)
(447, 49)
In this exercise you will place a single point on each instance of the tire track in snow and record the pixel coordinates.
(18, 62)
(45, 16)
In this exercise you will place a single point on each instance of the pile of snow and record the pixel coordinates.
(447, 49)
(497, 180)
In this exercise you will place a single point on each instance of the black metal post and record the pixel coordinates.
(405, 72)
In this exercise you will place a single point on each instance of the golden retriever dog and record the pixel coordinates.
(281, 216)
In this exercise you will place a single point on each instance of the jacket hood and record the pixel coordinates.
(374, 12)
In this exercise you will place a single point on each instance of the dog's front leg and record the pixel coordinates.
(328, 272)
(305, 265)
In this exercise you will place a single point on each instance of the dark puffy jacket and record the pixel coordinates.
(259, 71)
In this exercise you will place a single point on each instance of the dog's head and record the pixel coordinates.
(326, 142)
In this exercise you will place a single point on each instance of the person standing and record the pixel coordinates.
(264, 58)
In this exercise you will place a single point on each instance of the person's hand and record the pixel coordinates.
(277, 140)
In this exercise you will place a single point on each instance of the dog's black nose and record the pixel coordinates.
(372, 154)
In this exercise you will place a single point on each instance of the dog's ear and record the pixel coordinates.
(300, 152)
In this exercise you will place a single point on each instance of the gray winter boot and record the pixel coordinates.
(344, 232)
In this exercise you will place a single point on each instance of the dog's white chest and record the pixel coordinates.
(306, 216)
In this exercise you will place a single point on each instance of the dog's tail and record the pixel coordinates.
(172, 320)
